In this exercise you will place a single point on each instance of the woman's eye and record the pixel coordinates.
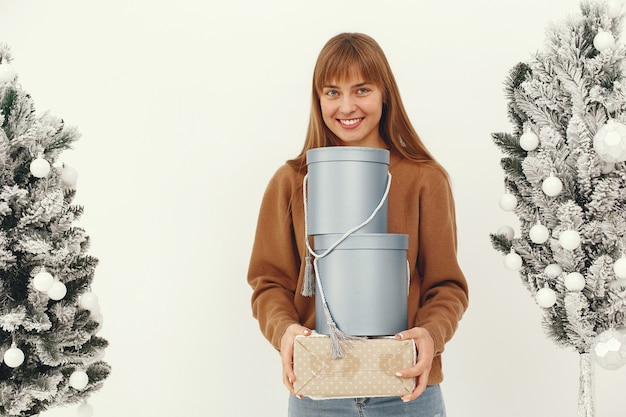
(332, 93)
(363, 90)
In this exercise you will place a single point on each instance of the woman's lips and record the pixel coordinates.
(350, 123)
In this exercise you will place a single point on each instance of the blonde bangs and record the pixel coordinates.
(346, 61)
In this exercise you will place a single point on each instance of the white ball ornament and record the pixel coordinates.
(89, 301)
(619, 267)
(13, 357)
(84, 410)
(513, 261)
(57, 291)
(529, 141)
(552, 186)
(43, 280)
(546, 297)
(574, 281)
(508, 202)
(609, 349)
(79, 380)
(609, 142)
(539, 233)
(507, 231)
(569, 239)
(39, 167)
(7, 73)
(607, 167)
(69, 177)
(603, 41)
(553, 270)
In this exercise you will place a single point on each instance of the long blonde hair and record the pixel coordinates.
(347, 54)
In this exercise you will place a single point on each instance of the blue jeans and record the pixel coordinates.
(429, 404)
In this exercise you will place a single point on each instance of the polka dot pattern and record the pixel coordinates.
(367, 370)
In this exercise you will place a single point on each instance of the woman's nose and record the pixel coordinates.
(347, 105)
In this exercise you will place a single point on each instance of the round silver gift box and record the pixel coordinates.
(345, 185)
(365, 283)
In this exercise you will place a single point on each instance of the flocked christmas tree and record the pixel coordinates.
(49, 318)
(565, 179)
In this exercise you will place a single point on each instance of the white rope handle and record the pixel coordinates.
(408, 277)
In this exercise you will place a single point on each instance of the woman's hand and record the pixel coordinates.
(425, 346)
(286, 353)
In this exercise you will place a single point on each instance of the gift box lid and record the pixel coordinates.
(347, 153)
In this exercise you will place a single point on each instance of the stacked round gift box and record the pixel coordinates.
(364, 279)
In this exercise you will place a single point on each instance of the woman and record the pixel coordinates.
(356, 102)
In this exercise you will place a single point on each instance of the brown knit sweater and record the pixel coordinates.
(420, 205)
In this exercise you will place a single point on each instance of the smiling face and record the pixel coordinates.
(352, 109)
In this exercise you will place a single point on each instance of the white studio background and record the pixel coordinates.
(187, 108)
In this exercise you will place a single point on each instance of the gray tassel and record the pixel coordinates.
(308, 286)
(338, 339)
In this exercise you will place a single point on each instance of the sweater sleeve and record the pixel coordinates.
(444, 292)
(275, 263)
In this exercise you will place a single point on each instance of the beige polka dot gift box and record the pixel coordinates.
(367, 369)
